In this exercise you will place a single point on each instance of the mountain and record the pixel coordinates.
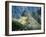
(27, 23)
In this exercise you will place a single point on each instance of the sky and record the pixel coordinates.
(17, 11)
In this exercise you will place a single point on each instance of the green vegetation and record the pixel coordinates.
(16, 25)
